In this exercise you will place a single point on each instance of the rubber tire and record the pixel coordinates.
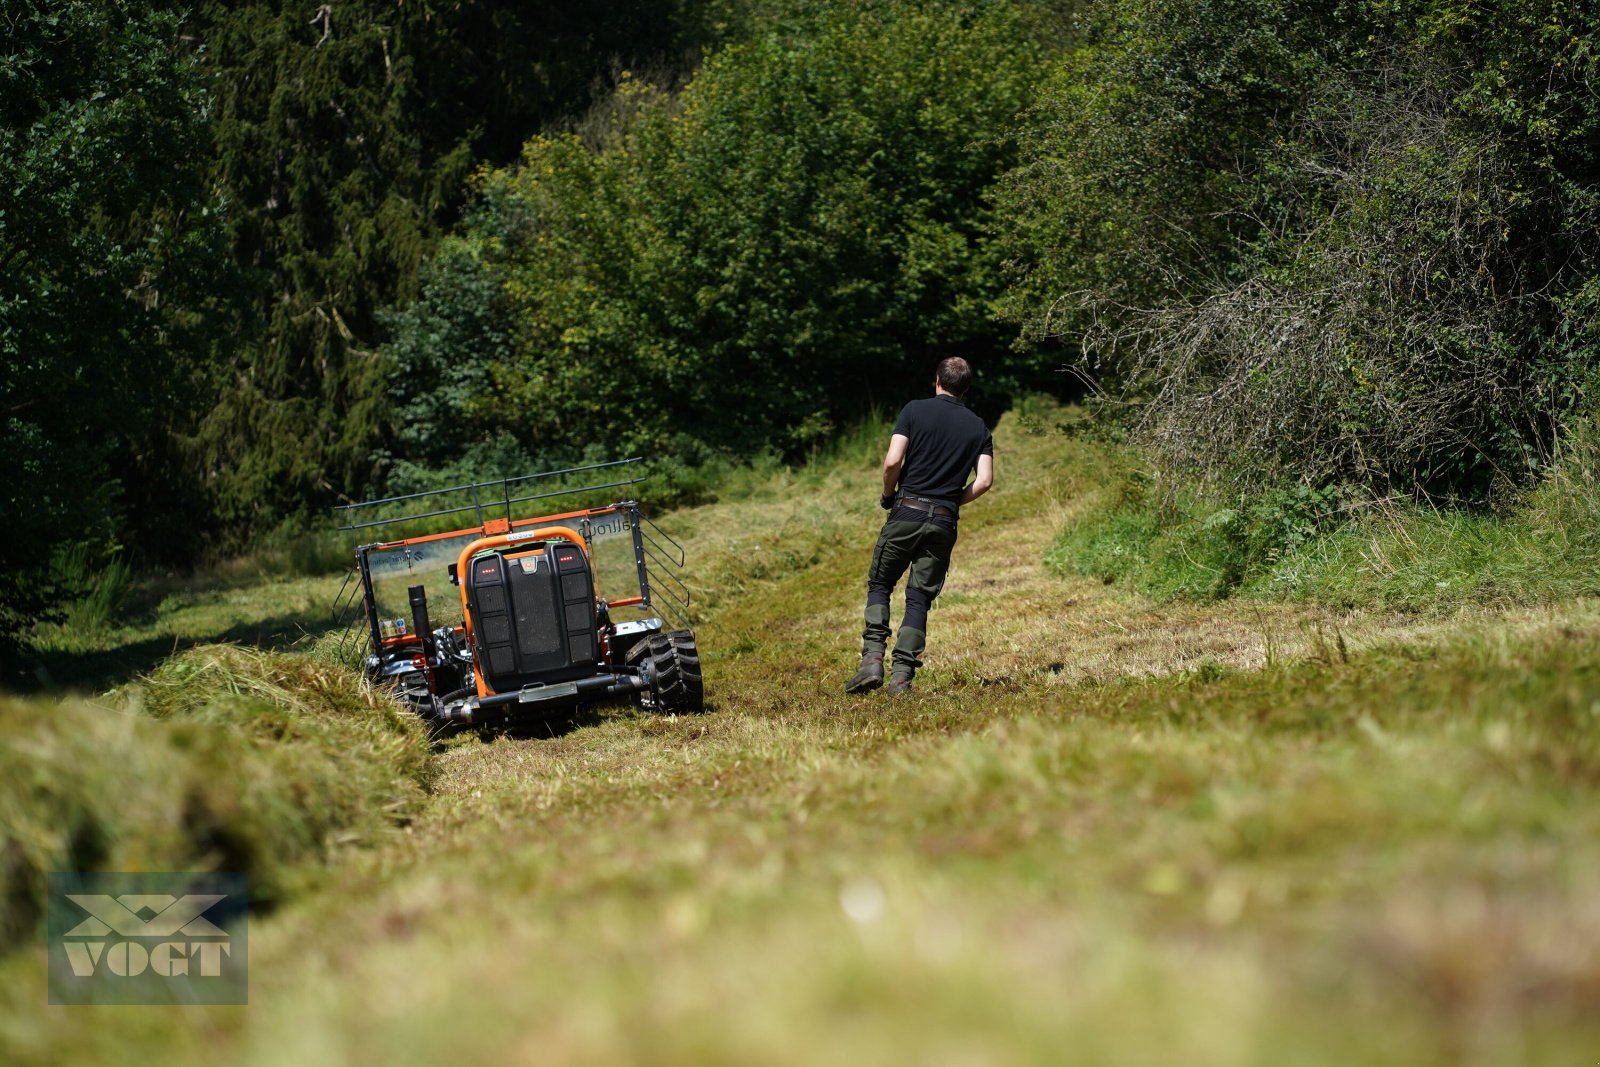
(676, 687)
(639, 651)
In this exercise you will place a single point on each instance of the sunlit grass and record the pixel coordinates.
(1542, 546)
(1102, 830)
(222, 759)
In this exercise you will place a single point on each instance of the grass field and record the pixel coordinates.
(1103, 830)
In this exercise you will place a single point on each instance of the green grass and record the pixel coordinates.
(165, 615)
(1104, 830)
(1542, 547)
(1544, 550)
(222, 759)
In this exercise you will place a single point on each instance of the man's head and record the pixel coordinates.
(953, 376)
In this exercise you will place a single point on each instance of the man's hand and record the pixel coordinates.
(886, 501)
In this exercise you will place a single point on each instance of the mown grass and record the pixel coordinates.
(1103, 830)
(223, 759)
(1391, 860)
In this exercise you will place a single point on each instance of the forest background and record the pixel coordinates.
(1311, 262)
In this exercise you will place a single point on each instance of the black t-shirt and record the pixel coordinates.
(946, 440)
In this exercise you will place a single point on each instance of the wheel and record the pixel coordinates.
(641, 657)
(675, 684)
(640, 651)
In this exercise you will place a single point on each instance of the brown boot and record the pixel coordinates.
(899, 683)
(868, 677)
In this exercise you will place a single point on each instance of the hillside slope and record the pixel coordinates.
(1103, 830)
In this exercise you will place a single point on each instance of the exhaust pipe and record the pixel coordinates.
(419, 619)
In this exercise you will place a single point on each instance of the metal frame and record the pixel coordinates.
(668, 564)
(477, 505)
(657, 561)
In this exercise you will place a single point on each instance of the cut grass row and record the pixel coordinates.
(224, 758)
(1390, 860)
(1349, 842)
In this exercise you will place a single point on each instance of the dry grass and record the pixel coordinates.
(785, 570)
(1102, 830)
(223, 759)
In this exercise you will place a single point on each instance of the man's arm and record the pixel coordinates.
(980, 485)
(893, 460)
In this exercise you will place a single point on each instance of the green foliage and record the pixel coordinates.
(794, 238)
(113, 283)
(1343, 243)
(1542, 550)
(101, 590)
(440, 365)
(1181, 545)
(1338, 548)
(1134, 162)
(346, 140)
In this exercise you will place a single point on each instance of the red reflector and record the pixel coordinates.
(419, 662)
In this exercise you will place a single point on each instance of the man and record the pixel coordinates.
(937, 443)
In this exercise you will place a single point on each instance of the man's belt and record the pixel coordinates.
(935, 508)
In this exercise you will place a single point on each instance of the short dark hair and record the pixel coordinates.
(954, 375)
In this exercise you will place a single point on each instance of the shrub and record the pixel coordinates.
(1324, 244)
(749, 264)
(1340, 548)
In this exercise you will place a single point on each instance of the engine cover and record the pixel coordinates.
(533, 617)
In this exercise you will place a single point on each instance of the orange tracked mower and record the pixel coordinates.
(506, 620)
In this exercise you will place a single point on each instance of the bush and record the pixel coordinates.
(1339, 548)
(1542, 549)
(1324, 244)
(1142, 141)
(1395, 340)
(749, 264)
(1183, 545)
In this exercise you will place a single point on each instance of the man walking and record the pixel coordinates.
(937, 443)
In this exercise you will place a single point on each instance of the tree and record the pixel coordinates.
(1342, 243)
(793, 238)
(1139, 160)
(345, 135)
(113, 278)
